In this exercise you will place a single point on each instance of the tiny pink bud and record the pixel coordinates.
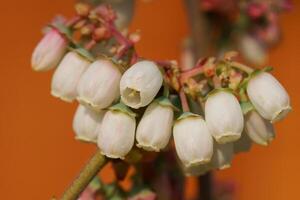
(49, 51)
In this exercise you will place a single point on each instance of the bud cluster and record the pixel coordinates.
(251, 26)
(127, 101)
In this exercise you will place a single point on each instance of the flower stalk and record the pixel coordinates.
(241, 67)
(183, 100)
(90, 170)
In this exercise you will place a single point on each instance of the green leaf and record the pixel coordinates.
(186, 115)
(246, 107)
(175, 100)
(95, 184)
(83, 52)
(216, 90)
(121, 107)
(63, 29)
(164, 101)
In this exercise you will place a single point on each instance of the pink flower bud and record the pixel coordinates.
(49, 51)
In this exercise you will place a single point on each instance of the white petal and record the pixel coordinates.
(193, 142)
(85, 123)
(67, 75)
(116, 135)
(268, 97)
(49, 51)
(223, 155)
(140, 84)
(258, 129)
(154, 130)
(99, 85)
(224, 117)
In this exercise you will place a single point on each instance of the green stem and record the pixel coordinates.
(166, 90)
(241, 67)
(90, 170)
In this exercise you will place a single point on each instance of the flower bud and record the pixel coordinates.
(154, 130)
(243, 144)
(140, 84)
(85, 123)
(99, 85)
(49, 51)
(116, 135)
(67, 76)
(223, 155)
(193, 142)
(258, 129)
(252, 50)
(224, 116)
(268, 97)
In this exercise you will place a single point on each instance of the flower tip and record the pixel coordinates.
(64, 98)
(281, 114)
(225, 166)
(198, 162)
(132, 98)
(148, 147)
(112, 156)
(87, 103)
(85, 139)
(227, 137)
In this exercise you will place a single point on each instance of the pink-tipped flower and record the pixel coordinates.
(256, 10)
(49, 51)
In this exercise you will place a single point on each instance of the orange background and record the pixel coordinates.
(39, 156)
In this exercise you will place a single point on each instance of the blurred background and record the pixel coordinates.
(39, 156)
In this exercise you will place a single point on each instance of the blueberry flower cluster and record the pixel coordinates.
(206, 113)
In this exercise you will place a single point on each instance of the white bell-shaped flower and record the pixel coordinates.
(223, 155)
(140, 84)
(252, 50)
(193, 142)
(117, 132)
(49, 51)
(259, 130)
(155, 128)
(243, 144)
(85, 123)
(224, 116)
(99, 85)
(268, 97)
(66, 77)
